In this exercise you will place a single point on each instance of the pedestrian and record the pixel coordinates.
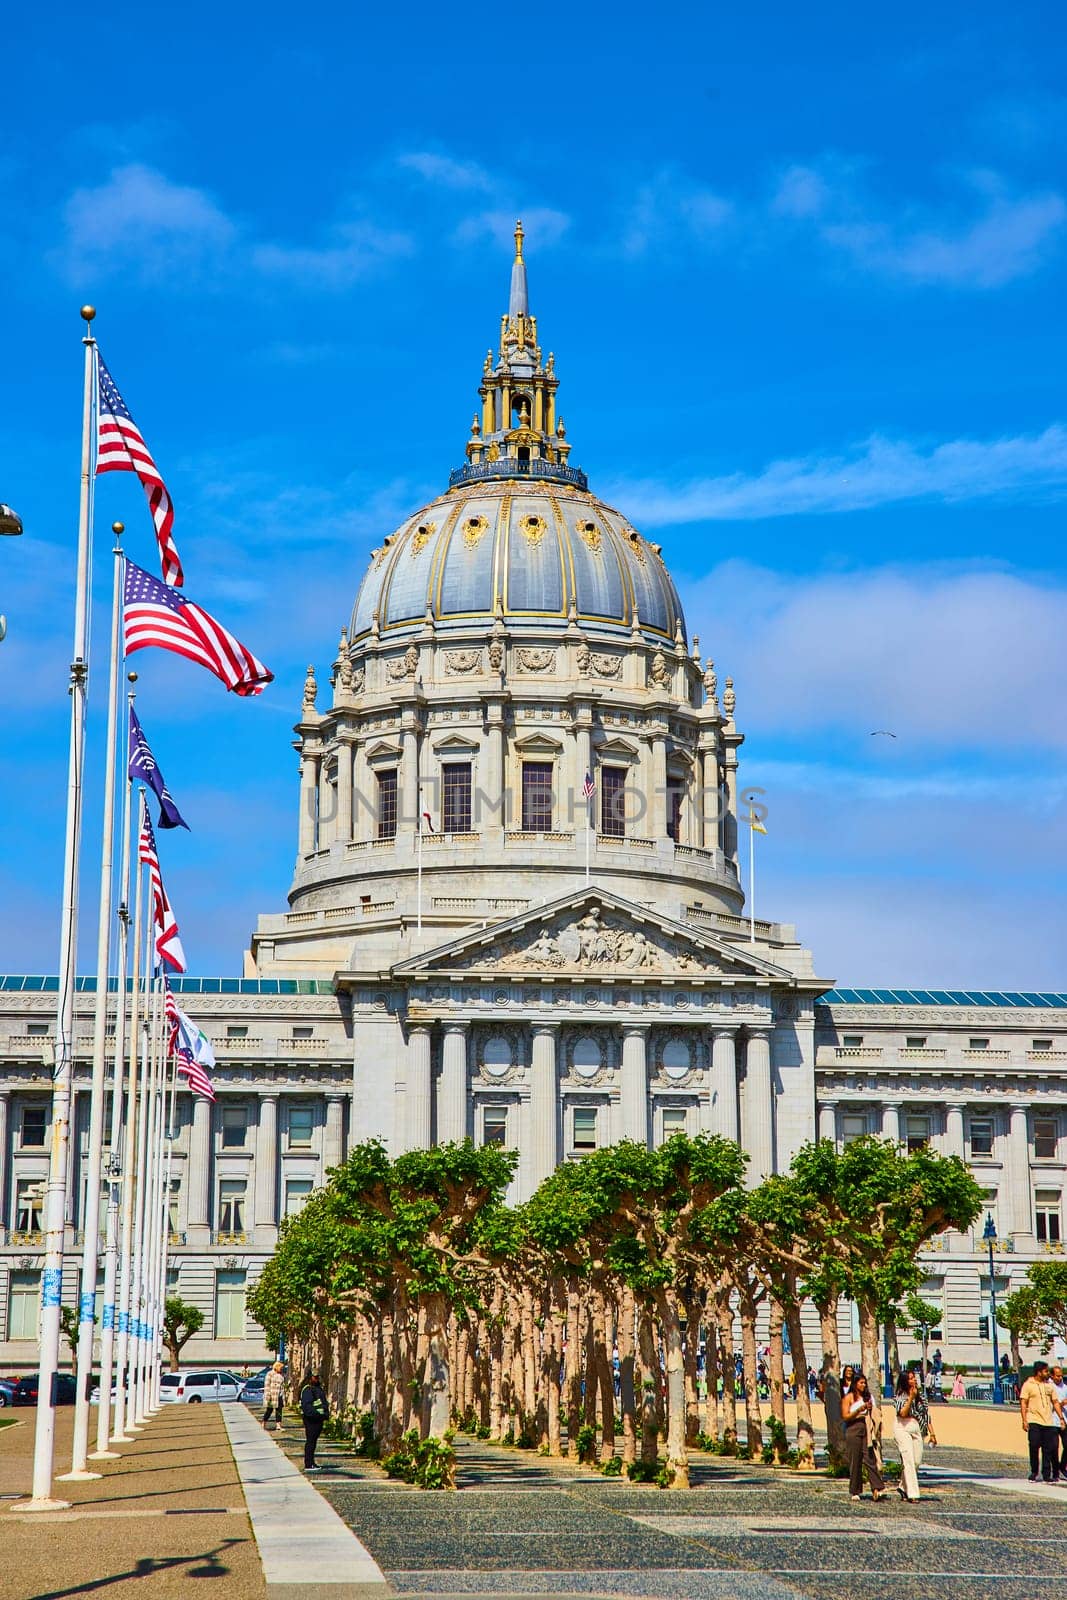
(314, 1408)
(1039, 1407)
(274, 1395)
(958, 1390)
(911, 1426)
(1059, 1386)
(860, 1434)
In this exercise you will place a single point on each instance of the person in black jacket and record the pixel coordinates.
(314, 1408)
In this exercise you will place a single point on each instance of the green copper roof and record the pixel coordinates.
(1005, 999)
(186, 985)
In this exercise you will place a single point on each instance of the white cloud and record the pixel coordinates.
(950, 659)
(670, 206)
(139, 215)
(355, 249)
(446, 172)
(877, 472)
(801, 192)
(542, 223)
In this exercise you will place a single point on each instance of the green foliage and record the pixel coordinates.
(426, 1463)
(654, 1472)
(612, 1467)
(180, 1321)
(1049, 1281)
(68, 1327)
(585, 1441)
(923, 1316)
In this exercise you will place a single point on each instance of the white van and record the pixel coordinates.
(192, 1388)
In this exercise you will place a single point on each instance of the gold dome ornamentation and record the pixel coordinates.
(533, 529)
(474, 530)
(421, 536)
(590, 533)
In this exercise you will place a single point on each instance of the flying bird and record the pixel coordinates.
(882, 733)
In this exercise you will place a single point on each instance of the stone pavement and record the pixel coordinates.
(521, 1525)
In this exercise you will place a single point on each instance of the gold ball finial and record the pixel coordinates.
(88, 313)
(131, 677)
(118, 529)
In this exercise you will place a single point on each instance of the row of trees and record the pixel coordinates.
(426, 1301)
(1037, 1312)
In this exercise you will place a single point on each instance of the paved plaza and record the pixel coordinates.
(205, 1495)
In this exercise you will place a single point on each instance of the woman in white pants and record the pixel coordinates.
(910, 1427)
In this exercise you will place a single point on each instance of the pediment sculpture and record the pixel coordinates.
(593, 942)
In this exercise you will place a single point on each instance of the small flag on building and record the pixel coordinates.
(588, 787)
(155, 614)
(121, 448)
(143, 766)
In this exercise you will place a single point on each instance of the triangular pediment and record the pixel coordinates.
(594, 933)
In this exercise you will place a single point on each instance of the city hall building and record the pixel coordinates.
(476, 946)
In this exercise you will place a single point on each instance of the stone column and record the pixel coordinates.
(495, 811)
(709, 799)
(659, 785)
(729, 818)
(544, 1103)
(5, 1100)
(1020, 1204)
(452, 1094)
(333, 1147)
(343, 825)
(891, 1121)
(327, 807)
(723, 1086)
(364, 799)
(759, 1106)
(828, 1121)
(266, 1212)
(309, 783)
(409, 780)
(582, 809)
(419, 1088)
(634, 1085)
(199, 1200)
(954, 1129)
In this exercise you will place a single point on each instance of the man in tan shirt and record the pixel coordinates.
(1040, 1409)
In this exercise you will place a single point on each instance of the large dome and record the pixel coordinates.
(503, 547)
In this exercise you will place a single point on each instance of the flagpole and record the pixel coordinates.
(134, 1408)
(751, 877)
(55, 1202)
(159, 1080)
(91, 1216)
(123, 1412)
(588, 833)
(144, 1404)
(165, 1224)
(116, 1171)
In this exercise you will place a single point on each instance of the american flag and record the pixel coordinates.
(156, 614)
(168, 943)
(182, 1041)
(589, 787)
(120, 448)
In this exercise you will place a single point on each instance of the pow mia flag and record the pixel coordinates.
(143, 766)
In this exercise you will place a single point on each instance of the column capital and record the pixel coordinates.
(457, 1026)
(544, 1028)
(336, 1096)
(418, 1030)
(722, 1030)
(827, 1105)
(1022, 1106)
(268, 1095)
(638, 1030)
(956, 1105)
(759, 1031)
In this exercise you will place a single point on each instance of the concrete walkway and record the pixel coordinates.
(307, 1552)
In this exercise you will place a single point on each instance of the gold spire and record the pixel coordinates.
(520, 234)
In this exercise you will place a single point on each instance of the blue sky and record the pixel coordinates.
(803, 272)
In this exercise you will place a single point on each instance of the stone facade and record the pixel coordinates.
(476, 946)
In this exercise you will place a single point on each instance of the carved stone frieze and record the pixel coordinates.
(406, 665)
(460, 661)
(531, 659)
(595, 942)
(606, 666)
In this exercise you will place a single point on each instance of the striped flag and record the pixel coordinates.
(168, 942)
(156, 614)
(589, 787)
(121, 448)
(191, 1048)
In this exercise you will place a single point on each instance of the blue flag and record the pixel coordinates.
(143, 766)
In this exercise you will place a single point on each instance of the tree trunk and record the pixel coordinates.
(437, 1372)
(805, 1430)
(776, 1375)
(692, 1351)
(869, 1358)
(627, 1394)
(574, 1367)
(650, 1379)
(677, 1454)
(835, 1427)
(711, 1371)
(529, 1353)
(894, 1349)
(554, 1372)
(590, 1380)
(746, 1306)
(604, 1375)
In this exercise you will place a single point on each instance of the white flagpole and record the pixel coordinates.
(588, 833)
(91, 1216)
(123, 1408)
(144, 1174)
(165, 1227)
(154, 1240)
(55, 1201)
(117, 1172)
(751, 878)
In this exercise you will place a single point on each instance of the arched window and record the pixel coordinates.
(496, 1057)
(587, 1057)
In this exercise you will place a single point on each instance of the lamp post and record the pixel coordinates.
(11, 524)
(989, 1234)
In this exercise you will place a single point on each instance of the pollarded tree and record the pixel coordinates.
(1021, 1315)
(923, 1318)
(180, 1321)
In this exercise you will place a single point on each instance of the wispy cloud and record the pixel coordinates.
(140, 215)
(446, 171)
(668, 206)
(877, 472)
(508, 198)
(546, 224)
(354, 249)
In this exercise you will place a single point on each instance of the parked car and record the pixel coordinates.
(252, 1391)
(7, 1391)
(192, 1388)
(26, 1389)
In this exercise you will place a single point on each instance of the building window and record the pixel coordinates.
(302, 1031)
(918, 1133)
(229, 1305)
(29, 1205)
(583, 1128)
(456, 797)
(852, 1041)
(236, 1030)
(674, 812)
(613, 802)
(232, 1192)
(978, 1044)
(989, 1208)
(37, 1030)
(1041, 1044)
(301, 1127)
(296, 1194)
(537, 797)
(915, 1042)
(34, 1126)
(234, 1127)
(981, 1136)
(174, 1275)
(495, 1125)
(23, 1305)
(387, 804)
(853, 1126)
(673, 1120)
(933, 1292)
(174, 1207)
(1045, 1138)
(1047, 1216)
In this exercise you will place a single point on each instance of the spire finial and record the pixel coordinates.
(518, 305)
(520, 234)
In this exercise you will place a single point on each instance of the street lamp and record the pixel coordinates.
(989, 1233)
(11, 524)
